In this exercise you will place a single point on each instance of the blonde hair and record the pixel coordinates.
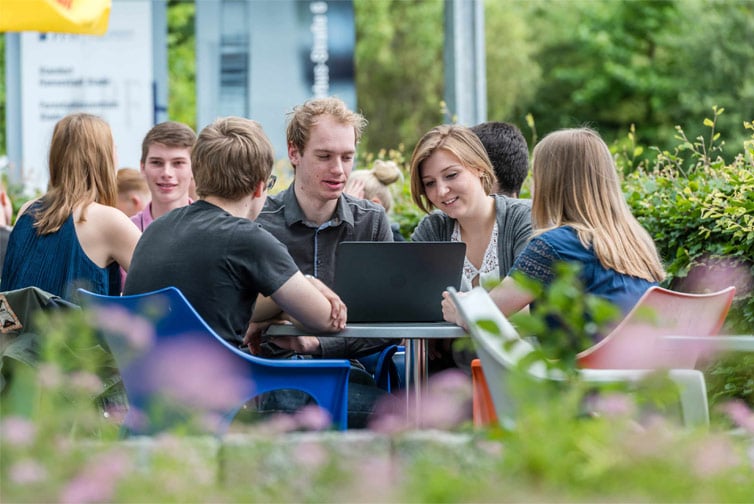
(575, 183)
(377, 180)
(463, 144)
(82, 170)
(231, 157)
(303, 117)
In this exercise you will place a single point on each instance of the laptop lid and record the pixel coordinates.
(396, 281)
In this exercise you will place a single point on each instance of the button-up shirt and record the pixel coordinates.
(313, 248)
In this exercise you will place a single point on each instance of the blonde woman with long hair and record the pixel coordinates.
(580, 216)
(73, 236)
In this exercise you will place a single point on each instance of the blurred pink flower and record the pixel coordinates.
(448, 400)
(138, 331)
(86, 382)
(97, 480)
(279, 423)
(311, 455)
(115, 413)
(613, 405)
(25, 472)
(713, 456)
(49, 375)
(199, 374)
(17, 431)
(390, 415)
(313, 417)
(740, 414)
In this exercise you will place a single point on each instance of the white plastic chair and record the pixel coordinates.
(500, 361)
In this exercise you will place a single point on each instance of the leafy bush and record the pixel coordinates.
(700, 212)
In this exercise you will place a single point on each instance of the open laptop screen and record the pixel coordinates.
(397, 281)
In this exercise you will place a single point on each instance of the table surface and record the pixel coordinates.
(413, 330)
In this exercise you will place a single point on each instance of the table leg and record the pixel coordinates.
(416, 374)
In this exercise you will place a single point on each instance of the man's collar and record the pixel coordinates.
(294, 213)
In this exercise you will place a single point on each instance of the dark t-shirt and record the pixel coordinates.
(218, 261)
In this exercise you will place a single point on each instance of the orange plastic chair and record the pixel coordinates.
(637, 342)
(483, 409)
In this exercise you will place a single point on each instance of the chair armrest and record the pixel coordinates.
(738, 343)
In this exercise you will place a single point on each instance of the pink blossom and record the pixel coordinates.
(25, 472)
(17, 431)
(613, 405)
(49, 376)
(199, 374)
(97, 480)
(311, 455)
(713, 456)
(138, 331)
(741, 415)
(86, 382)
(313, 417)
(390, 415)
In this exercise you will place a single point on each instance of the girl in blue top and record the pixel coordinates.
(579, 215)
(73, 236)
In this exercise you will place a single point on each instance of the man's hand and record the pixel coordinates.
(338, 312)
(253, 336)
(304, 345)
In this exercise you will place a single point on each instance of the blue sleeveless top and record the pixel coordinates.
(54, 262)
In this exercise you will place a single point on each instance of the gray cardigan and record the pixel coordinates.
(513, 222)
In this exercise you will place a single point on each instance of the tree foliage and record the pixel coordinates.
(399, 70)
(181, 62)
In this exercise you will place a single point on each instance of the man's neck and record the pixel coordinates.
(238, 208)
(158, 209)
(316, 211)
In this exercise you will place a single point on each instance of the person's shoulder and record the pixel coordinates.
(362, 205)
(274, 203)
(432, 225)
(364, 209)
(507, 203)
(560, 236)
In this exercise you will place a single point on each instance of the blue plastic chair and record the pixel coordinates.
(384, 367)
(178, 372)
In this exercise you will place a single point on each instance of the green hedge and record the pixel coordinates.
(700, 211)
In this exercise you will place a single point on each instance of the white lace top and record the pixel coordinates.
(490, 270)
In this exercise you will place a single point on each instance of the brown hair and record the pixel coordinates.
(131, 179)
(459, 141)
(576, 184)
(231, 156)
(82, 170)
(170, 134)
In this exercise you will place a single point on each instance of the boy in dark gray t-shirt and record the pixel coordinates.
(215, 254)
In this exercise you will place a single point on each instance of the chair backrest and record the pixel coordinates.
(636, 342)
(178, 371)
(500, 349)
(173, 369)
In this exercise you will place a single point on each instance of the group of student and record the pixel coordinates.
(245, 260)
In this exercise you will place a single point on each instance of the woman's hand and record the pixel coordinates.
(449, 312)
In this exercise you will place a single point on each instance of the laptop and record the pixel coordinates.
(397, 281)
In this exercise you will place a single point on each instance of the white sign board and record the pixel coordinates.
(109, 76)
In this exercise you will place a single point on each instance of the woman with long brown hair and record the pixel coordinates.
(73, 236)
(580, 216)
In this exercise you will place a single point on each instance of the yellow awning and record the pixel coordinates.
(58, 16)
